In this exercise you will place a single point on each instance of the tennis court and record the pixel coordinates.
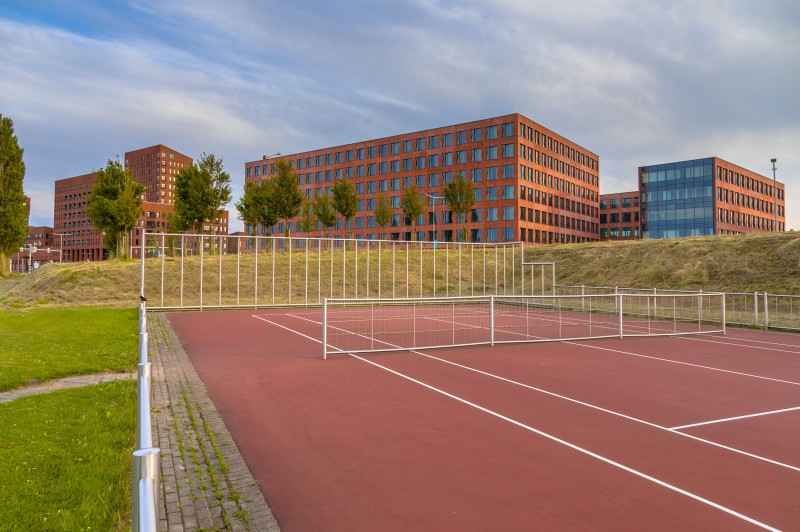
(669, 432)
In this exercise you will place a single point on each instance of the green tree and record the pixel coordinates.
(413, 207)
(345, 201)
(285, 197)
(13, 207)
(383, 213)
(201, 192)
(254, 206)
(461, 198)
(326, 214)
(115, 205)
(308, 219)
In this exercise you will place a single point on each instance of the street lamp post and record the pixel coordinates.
(434, 197)
(775, 193)
(60, 246)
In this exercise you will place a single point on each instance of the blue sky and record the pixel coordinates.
(636, 82)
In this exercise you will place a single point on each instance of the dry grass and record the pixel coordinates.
(736, 263)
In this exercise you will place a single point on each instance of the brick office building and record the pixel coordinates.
(156, 168)
(40, 248)
(699, 197)
(531, 184)
(707, 197)
(619, 216)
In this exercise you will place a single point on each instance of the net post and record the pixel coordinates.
(724, 320)
(325, 328)
(700, 312)
(766, 312)
(755, 309)
(491, 320)
(619, 309)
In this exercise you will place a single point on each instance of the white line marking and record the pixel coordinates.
(573, 446)
(576, 401)
(685, 363)
(735, 418)
(549, 436)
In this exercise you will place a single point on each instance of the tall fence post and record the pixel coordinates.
(724, 319)
(755, 309)
(146, 468)
(766, 311)
(491, 320)
(324, 328)
(619, 311)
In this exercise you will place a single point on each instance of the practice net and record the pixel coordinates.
(371, 325)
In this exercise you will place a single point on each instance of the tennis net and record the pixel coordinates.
(371, 325)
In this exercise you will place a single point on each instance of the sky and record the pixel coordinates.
(636, 82)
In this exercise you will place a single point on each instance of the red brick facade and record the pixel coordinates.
(531, 184)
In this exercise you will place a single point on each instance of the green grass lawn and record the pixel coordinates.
(66, 459)
(41, 344)
(66, 454)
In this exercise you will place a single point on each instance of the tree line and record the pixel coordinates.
(279, 198)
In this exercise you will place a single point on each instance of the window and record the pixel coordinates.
(382, 168)
(407, 165)
(395, 166)
(433, 142)
(626, 202)
(395, 202)
(359, 154)
(478, 194)
(476, 175)
(508, 213)
(433, 180)
(508, 171)
(420, 181)
(508, 234)
(461, 137)
(476, 215)
(396, 183)
(476, 135)
(408, 146)
(491, 193)
(491, 234)
(360, 170)
(508, 129)
(447, 140)
(371, 204)
(614, 233)
(447, 159)
(491, 214)
(626, 232)
(360, 188)
(603, 233)
(603, 204)
(491, 173)
(395, 148)
(433, 161)
(383, 185)
(461, 157)
(370, 187)
(328, 158)
(420, 143)
(491, 132)
(383, 150)
(371, 152)
(338, 157)
(420, 163)
(508, 150)
(476, 155)
(508, 192)
(491, 153)
(328, 175)
(447, 178)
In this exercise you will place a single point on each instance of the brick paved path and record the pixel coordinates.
(206, 484)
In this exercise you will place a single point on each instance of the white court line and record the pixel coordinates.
(573, 342)
(576, 401)
(735, 418)
(552, 438)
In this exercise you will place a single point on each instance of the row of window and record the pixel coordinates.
(615, 217)
(554, 145)
(620, 232)
(544, 179)
(745, 200)
(556, 165)
(614, 203)
(745, 220)
(552, 200)
(745, 181)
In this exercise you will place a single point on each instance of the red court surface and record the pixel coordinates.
(667, 433)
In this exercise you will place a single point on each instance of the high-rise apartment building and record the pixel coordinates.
(531, 184)
(156, 168)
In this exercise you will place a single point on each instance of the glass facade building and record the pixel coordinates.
(677, 199)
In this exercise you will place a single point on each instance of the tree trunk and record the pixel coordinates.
(5, 269)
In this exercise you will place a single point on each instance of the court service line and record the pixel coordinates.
(573, 342)
(570, 399)
(546, 435)
(735, 418)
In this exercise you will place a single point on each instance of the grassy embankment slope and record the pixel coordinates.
(735, 263)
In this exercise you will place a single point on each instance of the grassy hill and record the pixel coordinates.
(735, 263)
